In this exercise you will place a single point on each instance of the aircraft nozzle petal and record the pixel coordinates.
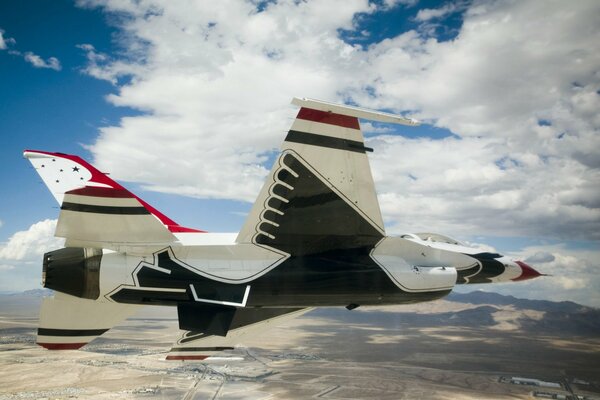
(527, 272)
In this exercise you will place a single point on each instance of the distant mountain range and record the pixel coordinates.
(29, 293)
(481, 297)
(558, 318)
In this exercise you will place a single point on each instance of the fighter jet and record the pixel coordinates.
(314, 238)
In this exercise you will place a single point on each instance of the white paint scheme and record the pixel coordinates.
(101, 230)
(352, 111)
(205, 238)
(437, 241)
(444, 243)
(238, 263)
(102, 201)
(49, 168)
(115, 270)
(319, 128)
(417, 268)
(68, 312)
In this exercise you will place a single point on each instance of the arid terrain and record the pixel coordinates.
(465, 347)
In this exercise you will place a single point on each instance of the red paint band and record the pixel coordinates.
(62, 346)
(183, 229)
(102, 192)
(330, 118)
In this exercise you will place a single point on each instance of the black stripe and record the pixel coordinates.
(177, 349)
(70, 332)
(326, 141)
(104, 209)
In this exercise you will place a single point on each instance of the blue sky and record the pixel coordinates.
(50, 110)
(194, 100)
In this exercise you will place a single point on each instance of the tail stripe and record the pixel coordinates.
(326, 141)
(70, 332)
(102, 192)
(330, 118)
(104, 209)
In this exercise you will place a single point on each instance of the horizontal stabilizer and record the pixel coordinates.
(68, 323)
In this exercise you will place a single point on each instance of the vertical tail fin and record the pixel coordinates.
(95, 209)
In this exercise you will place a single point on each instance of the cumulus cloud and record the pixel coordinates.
(5, 42)
(32, 243)
(30, 57)
(39, 62)
(427, 14)
(572, 275)
(541, 257)
(21, 256)
(518, 87)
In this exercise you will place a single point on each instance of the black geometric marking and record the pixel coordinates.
(176, 277)
(104, 209)
(70, 332)
(464, 275)
(326, 141)
(222, 348)
(305, 216)
(490, 268)
(243, 317)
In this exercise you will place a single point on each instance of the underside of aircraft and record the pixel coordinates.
(314, 237)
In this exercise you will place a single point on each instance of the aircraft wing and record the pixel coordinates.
(246, 323)
(96, 211)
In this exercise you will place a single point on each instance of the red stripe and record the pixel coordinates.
(330, 118)
(102, 192)
(183, 229)
(62, 346)
(186, 357)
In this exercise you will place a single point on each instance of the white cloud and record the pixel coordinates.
(21, 256)
(393, 3)
(32, 58)
(215, 79)
(572, 275)
(427, 14)
(39, 62)
(5, 42)
(32, 243)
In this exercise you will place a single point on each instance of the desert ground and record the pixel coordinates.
(448, 349)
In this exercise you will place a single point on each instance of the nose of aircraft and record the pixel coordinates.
(526, 272)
